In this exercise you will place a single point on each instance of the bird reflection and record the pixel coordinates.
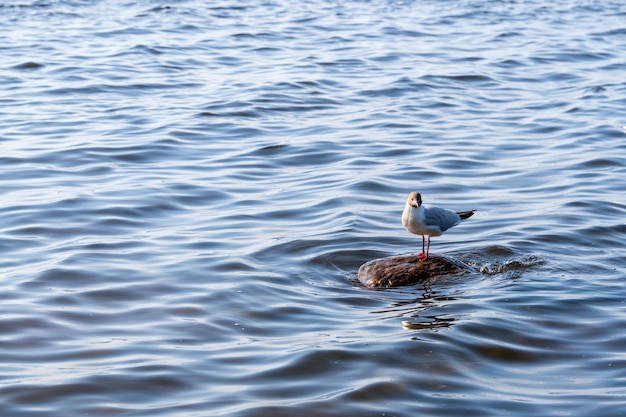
(416, 309)
(428, 323)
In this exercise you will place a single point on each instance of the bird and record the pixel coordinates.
(429, 220)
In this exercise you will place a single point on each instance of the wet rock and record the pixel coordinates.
(395, 271)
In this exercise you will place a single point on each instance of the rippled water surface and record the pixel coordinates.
(188, 189)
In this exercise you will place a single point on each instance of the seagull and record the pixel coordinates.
(429, 220)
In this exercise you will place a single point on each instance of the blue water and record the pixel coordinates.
(188, 189)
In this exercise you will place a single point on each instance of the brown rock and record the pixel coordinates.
(395, 271)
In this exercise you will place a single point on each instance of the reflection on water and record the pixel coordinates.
(189, 189)
(428, 323)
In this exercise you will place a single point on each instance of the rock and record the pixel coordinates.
(395, 271)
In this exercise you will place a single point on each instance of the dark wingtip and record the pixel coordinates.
(465, 214)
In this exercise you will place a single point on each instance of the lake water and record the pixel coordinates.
(188, 189)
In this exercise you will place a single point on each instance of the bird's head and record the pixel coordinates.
(415, 199)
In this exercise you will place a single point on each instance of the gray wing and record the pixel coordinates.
(442, 218)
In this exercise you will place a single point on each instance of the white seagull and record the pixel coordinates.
(429, 220)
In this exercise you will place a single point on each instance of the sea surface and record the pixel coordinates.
(189, 187)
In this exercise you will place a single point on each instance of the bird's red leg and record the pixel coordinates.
(428, 248)
(422, 256)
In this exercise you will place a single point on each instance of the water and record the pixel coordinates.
(189, 188)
